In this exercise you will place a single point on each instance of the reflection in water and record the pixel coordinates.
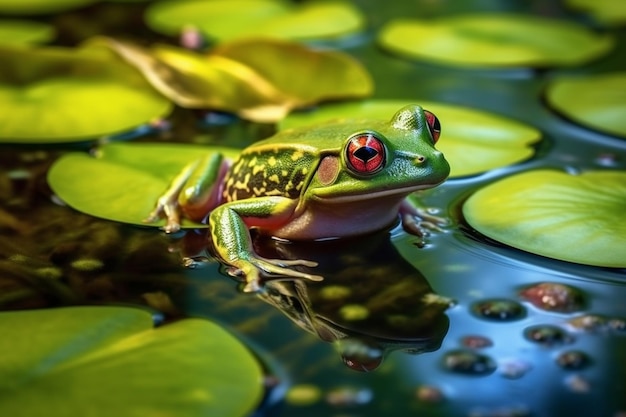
(370, 302)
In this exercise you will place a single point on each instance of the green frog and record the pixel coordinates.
(338, 179)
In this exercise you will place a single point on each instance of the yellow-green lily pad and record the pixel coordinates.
(229, 19)
(13, 31)
(575, 218)
(111, 361)
(258, 79)
(609, 12)
(65, 94)
(595, 101)
(38, 7)
(473, 141)
(494, 40)
(124, 180)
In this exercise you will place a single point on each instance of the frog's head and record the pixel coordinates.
(391, 158)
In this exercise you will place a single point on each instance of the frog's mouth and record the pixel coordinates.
(328, 196)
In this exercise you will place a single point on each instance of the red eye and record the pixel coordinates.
(433, 125)
(365, 154)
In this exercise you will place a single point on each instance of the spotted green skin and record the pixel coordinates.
(299, 185)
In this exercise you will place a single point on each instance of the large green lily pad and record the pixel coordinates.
(575, 218)
(32, 7)
(473, 141)
(124, 181)
(110, 361)
(609, 12)
(229, 19)
(494, 40)
(258, 79)
(15, 31)
(66, 94)
(595, 101)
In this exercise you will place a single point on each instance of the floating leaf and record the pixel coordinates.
(575, 218)
(125, 180)
(229, 19)
(25, 32)
(30, 7)
(110, 361)
(595, 101)
(610, 12)
(60, 95)
(494, 40)
(473, 141)
(260, 80)
(291, 67)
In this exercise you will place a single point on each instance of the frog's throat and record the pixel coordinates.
(331, 198)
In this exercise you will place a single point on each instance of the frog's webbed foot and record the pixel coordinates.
(168, 208)
(419, 221)
(256, 268)
(167, 205)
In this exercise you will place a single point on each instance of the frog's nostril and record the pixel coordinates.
(420, 159)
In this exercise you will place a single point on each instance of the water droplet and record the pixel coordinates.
(513, 368)
(349, 396)
(547, 335)
(499, 309)
(429, 394)
(573, 360)
(476, 342)
(551, 296)
(468, 362)
(578, 384)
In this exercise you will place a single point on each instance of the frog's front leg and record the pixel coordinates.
(194, 192)
(232, 242)
(418, 220)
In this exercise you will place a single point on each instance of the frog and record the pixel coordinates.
(341, 178)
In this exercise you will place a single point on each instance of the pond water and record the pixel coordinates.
(444, 327)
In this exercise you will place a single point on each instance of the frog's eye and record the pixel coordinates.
(365, 154)
(433, 125)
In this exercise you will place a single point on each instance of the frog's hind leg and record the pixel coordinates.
(193, 193)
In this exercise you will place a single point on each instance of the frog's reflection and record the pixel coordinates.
(371, 301)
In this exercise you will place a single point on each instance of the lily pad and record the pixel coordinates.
(575, 218)
(65, 94)
(609, 12)
(473, 141)
(125, 180)
(38, 7)
(229, 19)
(105, 361)
(25, 32)
(260, 80)
(494, 40)
(595, 101)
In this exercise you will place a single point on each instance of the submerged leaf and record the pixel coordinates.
(473, 141)
(495, 40)
(230, 19)
(104, 187)
(260, 80)
(105, 361)
(595, 101)
(25, 32)
(65, 94)
(575, 218)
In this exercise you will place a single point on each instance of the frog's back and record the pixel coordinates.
(270, 170)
